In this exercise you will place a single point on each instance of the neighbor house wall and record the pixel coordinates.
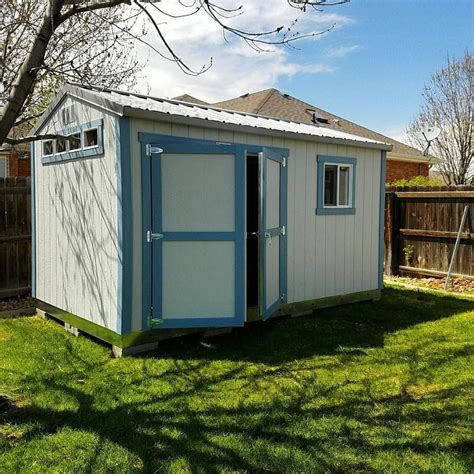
(76, 237)
(18, 166)
(327, 255)
(405, 170)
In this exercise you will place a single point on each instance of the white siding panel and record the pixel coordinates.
(77, 227)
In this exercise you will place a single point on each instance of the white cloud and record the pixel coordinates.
(397, 133)
(341, 51)
(236, 67)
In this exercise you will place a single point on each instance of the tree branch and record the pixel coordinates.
(32, 138)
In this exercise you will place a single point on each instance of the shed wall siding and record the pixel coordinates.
(327, 255)
(76, 226)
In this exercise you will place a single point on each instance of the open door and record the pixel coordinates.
(197, 233)
(273, 231)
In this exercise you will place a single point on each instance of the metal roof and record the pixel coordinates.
(130, 104)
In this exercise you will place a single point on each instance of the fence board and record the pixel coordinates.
(15, 236)
(422, 224)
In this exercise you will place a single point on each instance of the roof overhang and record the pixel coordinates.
(204, 123)
(95, 99)
(428, 160)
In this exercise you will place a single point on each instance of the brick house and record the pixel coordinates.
(403, 162)
(14, 163)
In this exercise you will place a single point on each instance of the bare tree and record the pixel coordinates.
(448, 104)
(49, 41)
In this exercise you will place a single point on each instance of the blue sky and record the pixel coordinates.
(370, 69)
(399, 44)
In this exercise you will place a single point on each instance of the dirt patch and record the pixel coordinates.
(459, 285)
(17, 303)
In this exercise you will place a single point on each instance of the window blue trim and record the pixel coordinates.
(33, 220)
(383, 166)
(321, 160)
(125, 226)
(81, 153)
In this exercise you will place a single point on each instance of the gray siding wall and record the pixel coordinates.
(77, 265)
(327, 255)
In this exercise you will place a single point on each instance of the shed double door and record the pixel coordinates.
(198, 233)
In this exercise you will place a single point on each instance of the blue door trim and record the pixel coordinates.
(278, 156)
(151, 214)
(125, 226)
(383, 165)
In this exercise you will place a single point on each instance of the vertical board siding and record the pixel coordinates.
(327, 254)
(77, 254)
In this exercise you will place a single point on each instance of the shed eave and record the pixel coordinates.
(206, 123)
(430, 160)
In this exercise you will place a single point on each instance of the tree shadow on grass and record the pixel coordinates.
(253, 401)
(350, 328)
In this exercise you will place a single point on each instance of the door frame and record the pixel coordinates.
(200, 146)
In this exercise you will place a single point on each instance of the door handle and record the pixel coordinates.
(150, 236)
(269, 237)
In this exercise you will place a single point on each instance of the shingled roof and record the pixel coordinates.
(273, 103)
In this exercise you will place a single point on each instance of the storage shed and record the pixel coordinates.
(155, 217)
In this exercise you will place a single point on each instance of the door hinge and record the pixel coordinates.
(150, 236)
(283, 230)
(283, 162)
(152, 149)
(282, 297)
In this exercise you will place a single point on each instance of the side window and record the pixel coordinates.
(335, 185)
(80, 141)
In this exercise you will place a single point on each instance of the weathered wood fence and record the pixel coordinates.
(15, 236)
(421, 226)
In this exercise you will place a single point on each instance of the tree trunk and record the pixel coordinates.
(26, 76)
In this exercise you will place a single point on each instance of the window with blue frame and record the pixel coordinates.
(80, 141)
(335, 185)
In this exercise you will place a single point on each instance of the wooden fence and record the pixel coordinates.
(15, 236)
(421, 226)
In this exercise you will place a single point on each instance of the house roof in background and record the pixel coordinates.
(273, 103)
(157, 108)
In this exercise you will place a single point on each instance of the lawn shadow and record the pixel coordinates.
(173, 404)
(350, 328)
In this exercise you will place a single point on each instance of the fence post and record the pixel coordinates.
(392, 226)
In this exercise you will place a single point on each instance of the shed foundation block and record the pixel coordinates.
(119, 352)
(72, 329)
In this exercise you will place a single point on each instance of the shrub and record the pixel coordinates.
(416, 181)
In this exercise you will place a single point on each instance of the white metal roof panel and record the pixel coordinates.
(126, 103)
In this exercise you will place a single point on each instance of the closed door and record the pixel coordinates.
(197, 235)
(273, 231)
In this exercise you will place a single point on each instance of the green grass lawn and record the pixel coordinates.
(378, 386)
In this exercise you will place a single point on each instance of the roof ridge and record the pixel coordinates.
(270, 92)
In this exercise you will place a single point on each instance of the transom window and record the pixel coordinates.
(335, 185)
(81, 141)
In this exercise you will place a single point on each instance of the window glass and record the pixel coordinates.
(47, 147)
(330, 185)
(3, 167)
(60, 145)
(74, 141)
(344, 173)
(90, 138)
